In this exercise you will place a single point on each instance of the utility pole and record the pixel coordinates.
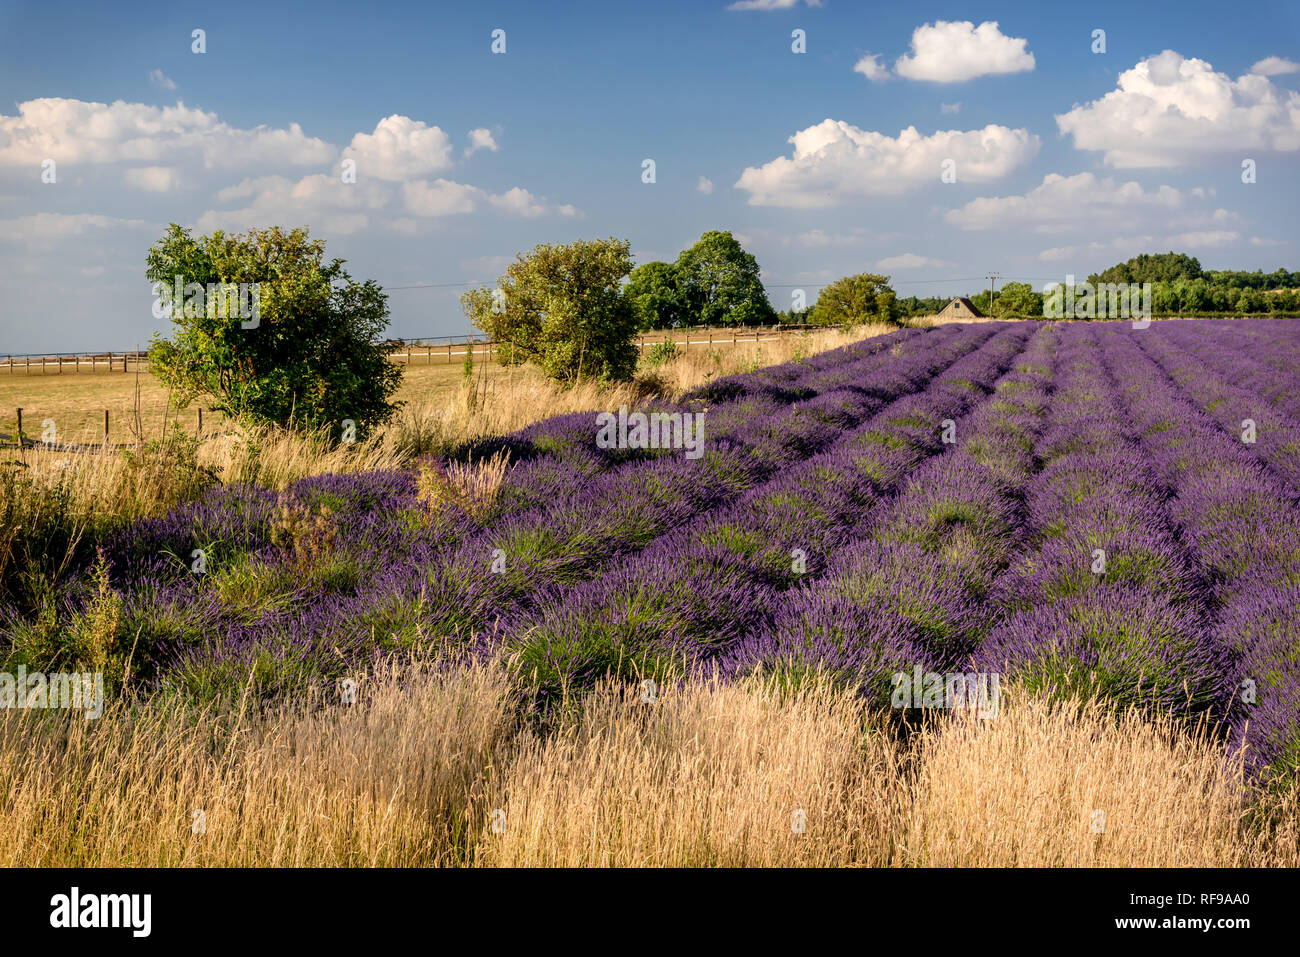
(992, 277)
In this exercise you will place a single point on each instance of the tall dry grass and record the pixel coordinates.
(389, 780)
(1066, 786)
(709, 774)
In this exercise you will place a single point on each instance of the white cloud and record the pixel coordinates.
(835, 161)
(42, 230)
(871, 67)
(949, 107)
(155, 179)
(91, 272)
(705, 185)
(1065, 204)
(445, 198)
(160, 79)
(400, 149)
(520, 202)
(328, 205)
(770, 4)
(1168, 110)
(442, 197)
(480, 139)
(955, 51)
(1260, 241)
(1274, 66)
(908, 261)
(76, 131)
(1123, 247)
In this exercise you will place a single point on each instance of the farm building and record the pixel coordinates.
(960, 308)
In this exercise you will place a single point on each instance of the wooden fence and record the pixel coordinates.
(406, 352)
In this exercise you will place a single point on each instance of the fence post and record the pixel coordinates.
(200, 421)
(124, 362)
(449, 350)
(106, 425)
(20, 428)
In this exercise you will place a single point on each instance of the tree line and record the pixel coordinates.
(315, 358)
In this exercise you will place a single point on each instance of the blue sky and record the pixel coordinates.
(1063, 160)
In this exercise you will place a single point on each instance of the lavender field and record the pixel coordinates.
(1083, 509)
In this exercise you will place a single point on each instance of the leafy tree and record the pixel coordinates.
(865, 297)
(562, 307)
(1161, 267)
(303, 351)
(1018, 299)
(656, 296)
(721, 283)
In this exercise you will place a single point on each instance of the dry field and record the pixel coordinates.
(429, 767)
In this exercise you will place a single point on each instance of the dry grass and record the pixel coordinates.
(1041, 786)
(472, 488)
(708, 774)
(386, 781)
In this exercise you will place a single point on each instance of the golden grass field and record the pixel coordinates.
(429, 767)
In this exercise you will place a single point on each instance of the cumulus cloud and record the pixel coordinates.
(329, 205)
(1064, 203)
(160, 79)
(480, 139)
(41, 231)
(908, 261)
(77, 131)
(834, 161)
(1169, 110)
(1126, 246)
(955, 51)
(705, 185)
(445, 198)
(155, 179)
(871, 67)
(1275, 66)
(400, 149)
(949, 107)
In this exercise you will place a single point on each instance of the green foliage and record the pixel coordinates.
(1161, 267)
(1018, 299)
(562, 307)
(661, 352)
(309, 356)
(657, 298)
(865, 297)
(720, 283)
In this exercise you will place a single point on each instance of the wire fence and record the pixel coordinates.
(424, 350)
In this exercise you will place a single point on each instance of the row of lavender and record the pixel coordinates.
(1081, 506)
(1239, 512)
(376, 569)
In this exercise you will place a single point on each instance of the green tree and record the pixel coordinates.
(656, 296)
(1018, 299)
(721, 283)
(865, 297)
(563, 308)
(300, 348)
